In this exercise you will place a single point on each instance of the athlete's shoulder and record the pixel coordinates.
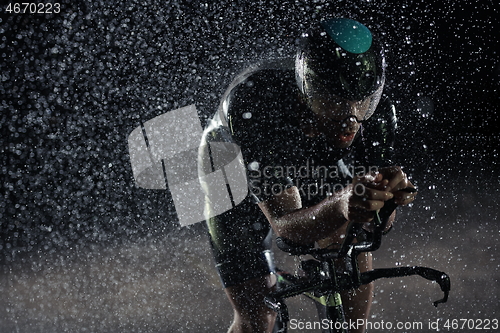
(268, 78)
(386, 108)
(277, 67)
(376, 146)
(384, 115)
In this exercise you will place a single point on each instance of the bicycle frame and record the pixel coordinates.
(322, 279)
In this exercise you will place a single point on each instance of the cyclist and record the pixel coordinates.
(316, 136)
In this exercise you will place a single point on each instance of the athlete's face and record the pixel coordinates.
(338, 118)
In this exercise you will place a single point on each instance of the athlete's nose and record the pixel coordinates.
(349, 124)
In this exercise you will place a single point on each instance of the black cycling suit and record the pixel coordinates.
(260, 112)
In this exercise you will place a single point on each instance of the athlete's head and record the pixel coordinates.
(340, 73)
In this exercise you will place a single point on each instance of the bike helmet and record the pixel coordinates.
(341, 59)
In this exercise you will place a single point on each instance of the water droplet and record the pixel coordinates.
(254, 166)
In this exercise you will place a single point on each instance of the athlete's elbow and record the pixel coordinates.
(281, 227)
(293, 231)
(284, 228)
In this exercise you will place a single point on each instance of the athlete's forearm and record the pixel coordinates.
(307, 225)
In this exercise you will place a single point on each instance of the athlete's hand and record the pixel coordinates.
(369, 192)
(396, 181)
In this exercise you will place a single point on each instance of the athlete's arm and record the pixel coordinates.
(306, 225)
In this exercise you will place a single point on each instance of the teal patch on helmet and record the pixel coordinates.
(351, 35)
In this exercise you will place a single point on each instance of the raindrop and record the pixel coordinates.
(425, 106)
(253, 166)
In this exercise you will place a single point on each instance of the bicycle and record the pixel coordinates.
(323, 282)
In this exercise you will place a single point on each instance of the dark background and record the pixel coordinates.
(74, 85)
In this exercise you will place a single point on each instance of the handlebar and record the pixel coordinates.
(428, 273)
(350, 251)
